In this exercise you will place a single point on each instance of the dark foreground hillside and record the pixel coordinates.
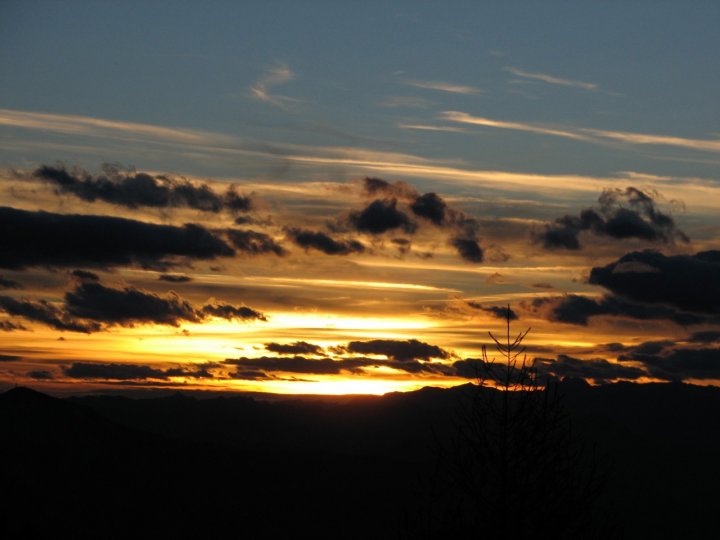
(182, 467)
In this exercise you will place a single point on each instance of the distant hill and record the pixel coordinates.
(183, 467)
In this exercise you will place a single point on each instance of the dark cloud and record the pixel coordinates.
(249, 241)
(9, 326)
(496, 311)
(9, 358)
(8, 283)
(85, 275)
(294, 364)
(542, 286)
(403, 244)
(128, 306)
(251, 220)
(685, 282)
(679, 364)
(474, 368)
(259, 368)
(47, 239)
(620, 214)
(126, 372)
(597, 370)
(708, 336)
(46, 313)
(381, 216)
(613, 347)
(575, 309)
(299, 347)
(399, 350)
(378, 187)
(132, 189)
(468, 249)
(431, 207)
(41, 375)
(652, 347)
(230, 312)
(175, 278)
(322, 242)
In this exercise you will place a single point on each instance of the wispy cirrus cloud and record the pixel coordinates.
(550, 79)
(465, 118)
(429, 127)
(442, 86)
(69, 124)
(276, 76)
(708, 145)
(597, 136)
(699, 192)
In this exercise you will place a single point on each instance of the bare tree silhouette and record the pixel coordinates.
(512, 467)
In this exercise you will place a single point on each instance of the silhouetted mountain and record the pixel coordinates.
(184, 467)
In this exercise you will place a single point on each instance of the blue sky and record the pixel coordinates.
(556, 137)
(644, 67)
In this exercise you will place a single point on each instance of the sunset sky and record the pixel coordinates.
(336, 197)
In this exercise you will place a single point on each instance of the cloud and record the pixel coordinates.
(619, 214)
(10, 326)
(469, 249)
(679, 364)
(9, 358)
(322, 242)
(595, 136)
(41, 375)
(706, 145)
(262, 368)
(222, 145)
(497, 311)
(92, 307)
(8, 284)
(551, 79)
(430, 207)
(298, 347)
(374, 187)
(249, 241)
(85, 275)
(428, 127)
(381, 216)
(230, 312)
(138, 189)
(129, 372)
(465, 118)
(575, 309)
(175, 278)
(598, 370)
(44, 312)
(689, 283)
(295, 364)
(399, 350)
(707, 336)
(54, 240)
(130, 306)
(410, 356)
(276, 76)
(84, 125)
(445, 87)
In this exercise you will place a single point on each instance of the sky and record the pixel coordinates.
(336, 197)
